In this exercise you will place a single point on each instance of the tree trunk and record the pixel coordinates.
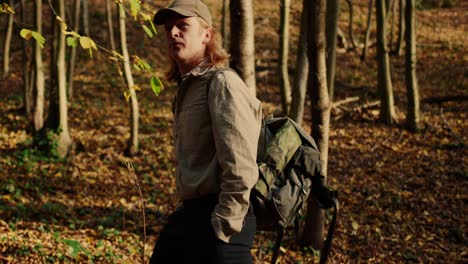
(72, 58)
(134, 113)
(224, 24)
(392, 25)
(64, 141)
(401, 31)
(350, 28)
(28, 95)
(387, 108)
(53, 118)
(317, 86)
(6, 48)
(331, 33)
(366, 40)
(39, 69)
(302, 68)
(285, 86)
(85, 16)
(110, 24)
(242, 46)
(413, 116)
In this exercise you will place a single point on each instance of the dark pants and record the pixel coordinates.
(188, 238)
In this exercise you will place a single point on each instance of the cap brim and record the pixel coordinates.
(161, 16)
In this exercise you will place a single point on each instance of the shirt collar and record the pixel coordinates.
(200, 69)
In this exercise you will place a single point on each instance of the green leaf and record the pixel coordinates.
(75, 246)
(156, 85)
(153, 27)
(148, 31)
(39, 38)
(25, 33)
(7, 9)
(87, 43)
(71, 41)
(135, 8)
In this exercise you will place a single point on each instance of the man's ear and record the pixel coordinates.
(207, 36)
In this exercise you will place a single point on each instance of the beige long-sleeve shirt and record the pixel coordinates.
(216, 132)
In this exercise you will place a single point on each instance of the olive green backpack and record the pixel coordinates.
(289, 171)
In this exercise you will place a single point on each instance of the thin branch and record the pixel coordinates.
(460, 140)
(132, 174)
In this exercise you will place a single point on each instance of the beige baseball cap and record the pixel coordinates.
(186, 8)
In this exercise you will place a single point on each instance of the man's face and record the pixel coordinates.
(186, 38)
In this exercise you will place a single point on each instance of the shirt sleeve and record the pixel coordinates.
(236, 120)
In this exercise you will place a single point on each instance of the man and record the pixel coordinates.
(217, 122)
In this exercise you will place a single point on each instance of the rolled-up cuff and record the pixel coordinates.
(220, 228)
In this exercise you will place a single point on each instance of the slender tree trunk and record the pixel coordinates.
(401, 31)
(224, 24)
(285, 86)
(392, 25)
(331, 33)
(28, 95)
(39, 69)
(387, 108)
(6, 48)
(72, 58)
(53, 118)
(110, 24)
(350, 28)
(134, 113)
(64, 141)
(302, 68)
(85, 17)
(366, 40)
(320, 102)
(413, 116)
(242, 44)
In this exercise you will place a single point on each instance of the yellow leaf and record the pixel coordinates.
(26, 34)
(126, 95)
(87, 43)
(355, 225)
(59, 19)
(408, 237)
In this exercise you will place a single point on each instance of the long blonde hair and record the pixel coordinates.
(215, 53)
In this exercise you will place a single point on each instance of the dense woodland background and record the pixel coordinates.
(403, 195)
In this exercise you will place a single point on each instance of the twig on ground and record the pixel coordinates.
(460, 140)
(131, 171)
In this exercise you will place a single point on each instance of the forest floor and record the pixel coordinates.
(403, 195)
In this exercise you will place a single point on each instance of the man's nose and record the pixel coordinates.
(174, 31)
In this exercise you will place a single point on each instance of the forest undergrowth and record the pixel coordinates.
(403, 195)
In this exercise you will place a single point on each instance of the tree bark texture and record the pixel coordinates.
(39, 69)
(72, 57)
(85, 17)
(367, 36)
(401, 31)
(285, 86)
(53, 118)
(302, 68)
(28, 93)
(64, 141)
(134, 111)
(350, 28)
(384, 82)
(224, 24)
(110, 24)
(6, 47)
(331, 33)
(242, 47)
(413, 116)
(320, 103)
